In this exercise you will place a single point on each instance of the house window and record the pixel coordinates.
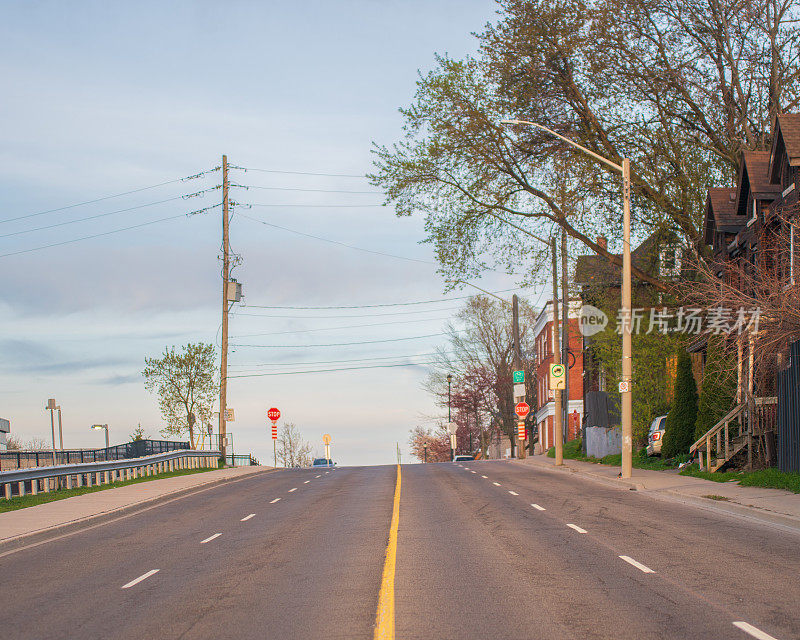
(670, 261)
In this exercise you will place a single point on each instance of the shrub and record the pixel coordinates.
(681, 419)
(718, 389)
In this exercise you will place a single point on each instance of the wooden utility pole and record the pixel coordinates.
(565, 333)
(558, 435)
(226, 266)
(517, 363)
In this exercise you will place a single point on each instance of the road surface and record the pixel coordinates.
(484, 550)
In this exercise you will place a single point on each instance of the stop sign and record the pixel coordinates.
(522, 409)
(274, 414)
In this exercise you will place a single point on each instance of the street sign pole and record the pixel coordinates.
(274, 414)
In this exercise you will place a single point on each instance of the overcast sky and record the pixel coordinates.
(106, 97)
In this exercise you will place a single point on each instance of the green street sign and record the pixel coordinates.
(519, 377)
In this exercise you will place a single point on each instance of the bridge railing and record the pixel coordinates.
(20, 482)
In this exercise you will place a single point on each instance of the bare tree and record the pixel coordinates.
(293, 451)
(437, 441)
(33, 444)
(185, 383)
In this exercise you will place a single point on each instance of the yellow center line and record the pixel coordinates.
(384, 619)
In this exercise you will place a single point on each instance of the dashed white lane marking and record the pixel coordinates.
(144, 576)
(327, 472)
(486, 477)
(246, 518)
(753, 631)
(536, 506)
(577, 528)
(210, 538)
(274, 501)
(496, 484)
(513, 493)
(473, 472)
(307, 481)
(318, 476)
(465, 468)
(638, 565)
(292, 489)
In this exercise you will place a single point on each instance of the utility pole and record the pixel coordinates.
(449, 417)
(558, 435)
(517, 360)
(226, 266)
(627, 327)
(565, 333)
(51, 406)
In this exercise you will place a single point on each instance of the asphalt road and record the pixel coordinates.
(475, 559)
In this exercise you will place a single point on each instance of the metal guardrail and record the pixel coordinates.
(24, 459)
(91, 473)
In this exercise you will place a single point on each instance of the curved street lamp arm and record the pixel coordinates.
(568, 141)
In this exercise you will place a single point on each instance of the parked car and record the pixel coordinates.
(323, 462)
(656, 436)
(463, 458)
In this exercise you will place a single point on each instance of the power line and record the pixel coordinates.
(373, 306)
(321, 206)
(292, 373)
(352, 326)
(116, 195)
(96, 235)
(99, 215)
(334, 344)
(301, 173)
(346, 316)
(336, 242)
(244, 186)
(305, 363)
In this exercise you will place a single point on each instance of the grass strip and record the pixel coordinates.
(30, 500)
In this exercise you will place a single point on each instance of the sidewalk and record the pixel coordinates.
(774, 505)
(32, 524)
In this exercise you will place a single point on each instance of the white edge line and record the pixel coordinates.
(473, 472)
(577, 528)
(292, 489)
(753, 631)
(307, 481)
(274, 501)
(487, 477)
(246, 518)
(144, 576)
(638, 565)
(536, 506)
(513, 493)
(496, 484)
(210, 538)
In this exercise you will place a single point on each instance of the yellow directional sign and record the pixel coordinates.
(558, 376)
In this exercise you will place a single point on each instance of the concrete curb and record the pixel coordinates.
(40, 536)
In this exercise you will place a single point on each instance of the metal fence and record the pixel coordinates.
(134, 449)
(19, 482)
(789, 413)
(241, 460)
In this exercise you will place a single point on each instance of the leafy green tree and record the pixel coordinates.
(718, 389)
(186, 386)
(679, 88)
(681, 419)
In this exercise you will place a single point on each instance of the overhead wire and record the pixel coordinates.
(336, 242)
(94, 217)
(292, 373)
(336, 344)
(374, 306)
(306, 363)
(115, 195)
(299, 173)
(345, 316)
(250, 186)
(352, 326)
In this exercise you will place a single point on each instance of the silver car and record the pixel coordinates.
(656, 436)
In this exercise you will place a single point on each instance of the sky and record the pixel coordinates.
(103, 98)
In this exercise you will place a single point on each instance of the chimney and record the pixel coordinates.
(602, 241)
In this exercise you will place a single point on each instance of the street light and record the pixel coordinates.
(627, 364)
(449, 419)
(51, 406)
(425, 448)
(101, 426)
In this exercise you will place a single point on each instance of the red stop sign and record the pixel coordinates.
(274, 414)
(522, 409)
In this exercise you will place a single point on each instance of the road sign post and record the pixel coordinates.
(326, 440)
(558, 377)
(274, 414)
